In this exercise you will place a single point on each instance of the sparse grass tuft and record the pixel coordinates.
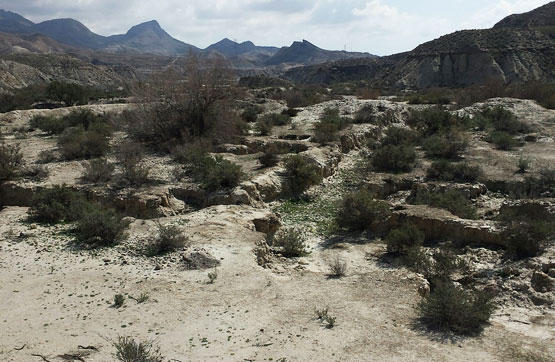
(337, 267)
(128, 350)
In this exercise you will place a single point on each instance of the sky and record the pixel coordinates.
(380, 27)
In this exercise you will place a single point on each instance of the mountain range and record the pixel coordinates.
(150, 38)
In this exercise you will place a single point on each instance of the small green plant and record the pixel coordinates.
(76, 142)
(119, 300)
(450, 145)
(129, 350)
(456, 172)
(523, 164)
(215, 172)
(302, 174)
(324, 316)
(449, 308)
(360, 211)
(212, 276)
(321, 313)
(98, 170)
(337, 267)
(11, 160)
(168, 239)
(403, 239)
(331, 122)
(142, 298)
(291, 243)
(502, 140)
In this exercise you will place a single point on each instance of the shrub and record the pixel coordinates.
(11, 160)
(337, 267)
(542, 184)
(77, 143)
(302, 174)
(503, 120)
(212, 276)
(37, 172)
(47, 156)
(119, 299)
(270, 157)
(404, 238)
(452, 200)
(449, 145)
(84, 118)
(435, 120)
(169, 239)
(250, 114)
(502, 140)
(69, 93)
(523, 164)
(279, 119)
(397, 136)
(215, 173)
(449, 308)
(291, 243)
(330, 123)
(456, 172)
(98, 170)
(360, 211)
(291, 112)
(394, 158)
(130, 156)
(48, 124)
(523, 240)
(100, 226)
(264, 125)
(56, 204)
(128, 350)
(366, 114)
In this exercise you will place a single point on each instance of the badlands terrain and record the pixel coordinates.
(231, 294)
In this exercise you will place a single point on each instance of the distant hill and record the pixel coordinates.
(540, 17)
(30, 44)
(307, 53)
(13, 23)
(519, 48)
(229, 48)
(70, 32)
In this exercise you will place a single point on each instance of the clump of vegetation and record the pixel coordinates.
(291, 112)
(450, 308)
(522, 165)
(397, 136)
(393, 158)
(98, 170)
(360, 211)
(330, 123)
(324, 316)
(215, 172)
(366, 114)
(291, 243)
(212, 276)
(100, 226)
(502, 140)
(541, 185)
(337, 267)
(450, 145)
(270, 156)
(503, 120)
(76, 143)
(47, 156)
(37, 172)
(434, 120)
(168, 239)
(83, 118)
(452, 200)
(11, 160)
(264, 126)
(130, 156)
(129, 350)
(523, 240)
(119, 300)
(404, 238)
(56, 204)
(455, 172)
(250, 114)
(302, 174)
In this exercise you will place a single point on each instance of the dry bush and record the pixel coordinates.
(129, 350)
(98, 170)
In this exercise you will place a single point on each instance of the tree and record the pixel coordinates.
(174, 108)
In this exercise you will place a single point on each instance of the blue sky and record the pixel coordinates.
(377, 26)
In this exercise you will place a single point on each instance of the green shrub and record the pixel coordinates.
(337, 267)
(452, 200)
(503, 120)
(449, 308)
(76, 143)
(49, 124)
(278, 119)
(541, 185)
(100, 226)
(360, 211)
(270, 157)
(250, 114)
(215, 173)
(523, 164)
(169, 239)
(130, 156)
(450, 145)
(330, 123)
(47, 156)
(502, 140)
(456, 172)
(36, 172)
(404, 238)
(264, 125)
(291, 243)
(69, 93)
(84, 118)
(302, 174)
(56, 204)
(128, 350)
(98, 170)
(11, 160)
(397, 136)
(524, 240)
(394, 158)
(291, 112)
(119, 300)
(435, 120)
